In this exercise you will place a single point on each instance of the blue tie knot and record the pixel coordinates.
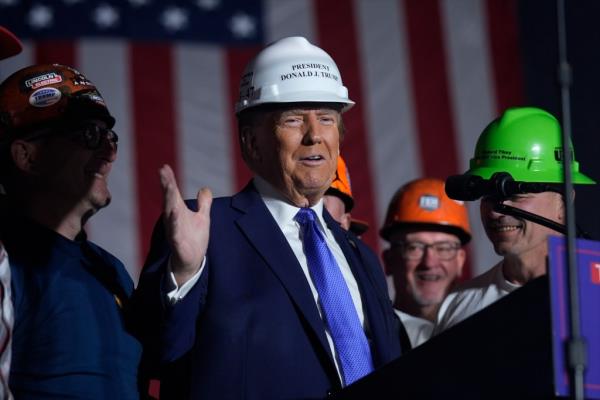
(305, 216)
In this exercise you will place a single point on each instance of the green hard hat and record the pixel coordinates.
(526, 142)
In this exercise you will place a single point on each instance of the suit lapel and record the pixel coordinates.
(262, 231)
(370, 301)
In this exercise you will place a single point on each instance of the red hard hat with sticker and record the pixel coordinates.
(46, 95)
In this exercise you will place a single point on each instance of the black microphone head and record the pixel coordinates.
(465, 187)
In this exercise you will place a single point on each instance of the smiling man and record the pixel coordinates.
(426, 231)
(284, 303)
(57, 150)
(524, 142)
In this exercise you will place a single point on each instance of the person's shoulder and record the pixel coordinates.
(365, 250)
(472, 290)
(480, 281)
(419, 329)
(467, 299)
(105, 254)
(360, 244)
(218, 203)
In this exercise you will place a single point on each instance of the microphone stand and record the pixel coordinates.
(505, 209)
(502, 208)
(576, 347)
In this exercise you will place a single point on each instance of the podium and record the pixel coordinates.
(502, 352)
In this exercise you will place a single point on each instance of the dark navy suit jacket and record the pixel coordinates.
(250, 328)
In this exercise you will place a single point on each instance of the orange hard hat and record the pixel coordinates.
(422, 204)
(9, 44)
(340, 186)
(44, 95)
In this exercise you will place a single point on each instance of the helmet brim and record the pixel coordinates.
(407, 227)
(10, 45)
(540, 176)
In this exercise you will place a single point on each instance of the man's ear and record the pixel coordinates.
(24, 155)
(562, 206)
(346, 220)
(248, 142)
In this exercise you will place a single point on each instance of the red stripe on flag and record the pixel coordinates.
(236, 60)
(435, 123)
(154, 125)
(501, 18)
(431, 93)
(55, 51)
(336, 27)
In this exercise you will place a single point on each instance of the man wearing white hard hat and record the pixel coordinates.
(263, 295)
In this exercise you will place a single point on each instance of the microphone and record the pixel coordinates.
(501, 185)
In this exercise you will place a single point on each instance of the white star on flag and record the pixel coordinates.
(105, 16)
(242, 25)
(174, 19)
(40, 17)
(208, 5)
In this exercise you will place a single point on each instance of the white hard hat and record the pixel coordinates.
(292, 70)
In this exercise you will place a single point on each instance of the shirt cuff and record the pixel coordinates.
(176, 293)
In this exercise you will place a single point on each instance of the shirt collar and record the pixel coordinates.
(280, 208)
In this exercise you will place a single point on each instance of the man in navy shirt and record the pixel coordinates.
(57, 149)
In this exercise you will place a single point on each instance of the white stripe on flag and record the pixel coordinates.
(203, 122)
(471, 90)
(289, 18)
(387, 88)
(106, 63)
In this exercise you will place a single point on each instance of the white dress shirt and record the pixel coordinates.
(6, 324)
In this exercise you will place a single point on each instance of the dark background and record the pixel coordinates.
(539, 52)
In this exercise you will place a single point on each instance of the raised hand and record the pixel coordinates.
(187, 231)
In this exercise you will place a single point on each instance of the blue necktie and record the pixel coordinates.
(339, 313)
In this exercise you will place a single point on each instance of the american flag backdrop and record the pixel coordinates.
(427, 76)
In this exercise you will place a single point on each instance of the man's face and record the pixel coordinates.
(427, 279)
(337, 209)
(296, 151)
(513, 236)
(68, 169)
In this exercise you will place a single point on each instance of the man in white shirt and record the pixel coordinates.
(524, 142)
(247, 313)
(426, 231)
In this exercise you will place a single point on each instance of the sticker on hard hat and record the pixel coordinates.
(309, 70)
(45, 97)
(43, 80)
(500, 154)
(559, 154)
(429, 202)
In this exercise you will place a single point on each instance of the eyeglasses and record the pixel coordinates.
(415, 250)
(89, 136)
